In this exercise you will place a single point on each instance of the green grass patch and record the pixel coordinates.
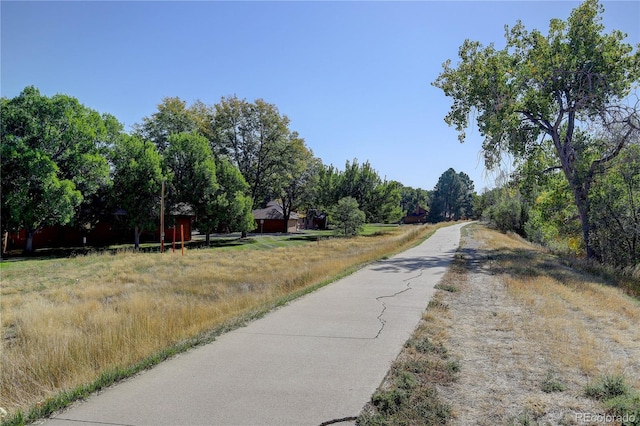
(446, 287)
(607, 387)
(377, 229)
(626, 407)
(552, 384)
(618, 397)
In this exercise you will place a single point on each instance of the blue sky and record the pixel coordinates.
(353, 77)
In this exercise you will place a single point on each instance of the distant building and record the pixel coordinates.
(271, 219)
(419, 215)
(109, 230)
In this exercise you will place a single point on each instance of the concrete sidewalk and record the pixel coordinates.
(317, 359)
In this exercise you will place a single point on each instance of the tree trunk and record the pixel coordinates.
(582, 202)
(28, 247)
(207, 237)
(136, 238)
(580, 187)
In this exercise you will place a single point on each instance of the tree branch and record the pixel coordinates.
(549, 169)
(540, 122)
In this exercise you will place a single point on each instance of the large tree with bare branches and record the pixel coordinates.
(575, 80)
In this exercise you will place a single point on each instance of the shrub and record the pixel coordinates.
(627, 407)
(607, 387)
(348, 218)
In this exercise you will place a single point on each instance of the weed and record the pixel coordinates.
(390, 401)
(453, 367)
(425, 346)
(417, 366)
(406, 380)
(447, 287)
(437, 305)
(627, 407)
(607, 387)
(430, 410)
(618, 397)
(552, 384)
(524, 419)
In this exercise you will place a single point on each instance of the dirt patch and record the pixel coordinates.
(513, 369)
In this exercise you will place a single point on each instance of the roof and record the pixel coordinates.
(181, 209)
(272, 211)
(419, 211)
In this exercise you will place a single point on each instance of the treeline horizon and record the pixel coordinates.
(66, 164)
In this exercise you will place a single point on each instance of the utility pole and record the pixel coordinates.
(162, 219)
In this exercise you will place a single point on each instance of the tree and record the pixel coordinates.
(507, 212)
(615, 211)
(359, 182)
(192, 171)
(137, 183)
(255, 138)
(172, 117)
(384, 203)
(348, 218)
(452, 197)
(294, 187)
(325, 192)
(32, 193)
(232, 206)
(540, 87)
(411, 198)
(53, 158)
(468, 196)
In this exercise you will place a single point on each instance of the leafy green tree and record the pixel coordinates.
(411, 198)
(232, 206)
(173, 116)
(508, 211)
(359, 181)
(325, 192)
(137, 183)
(32, 193)
(191, 170)
(540, 87)
(615, 211)
(384, 203)
(294, 187)
(347, 217)
(255, 138)
(95, 204)
(53, 158)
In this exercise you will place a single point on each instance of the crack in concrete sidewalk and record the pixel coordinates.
(340, 420)
(384, 306)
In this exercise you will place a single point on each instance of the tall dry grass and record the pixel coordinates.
(581, 322)
(66, 321)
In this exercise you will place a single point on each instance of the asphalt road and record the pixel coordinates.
(318, 359)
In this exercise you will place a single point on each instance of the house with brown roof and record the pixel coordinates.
(419, 215)
(271, 219)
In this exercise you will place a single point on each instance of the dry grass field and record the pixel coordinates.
(70, 326)
(516, 337)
